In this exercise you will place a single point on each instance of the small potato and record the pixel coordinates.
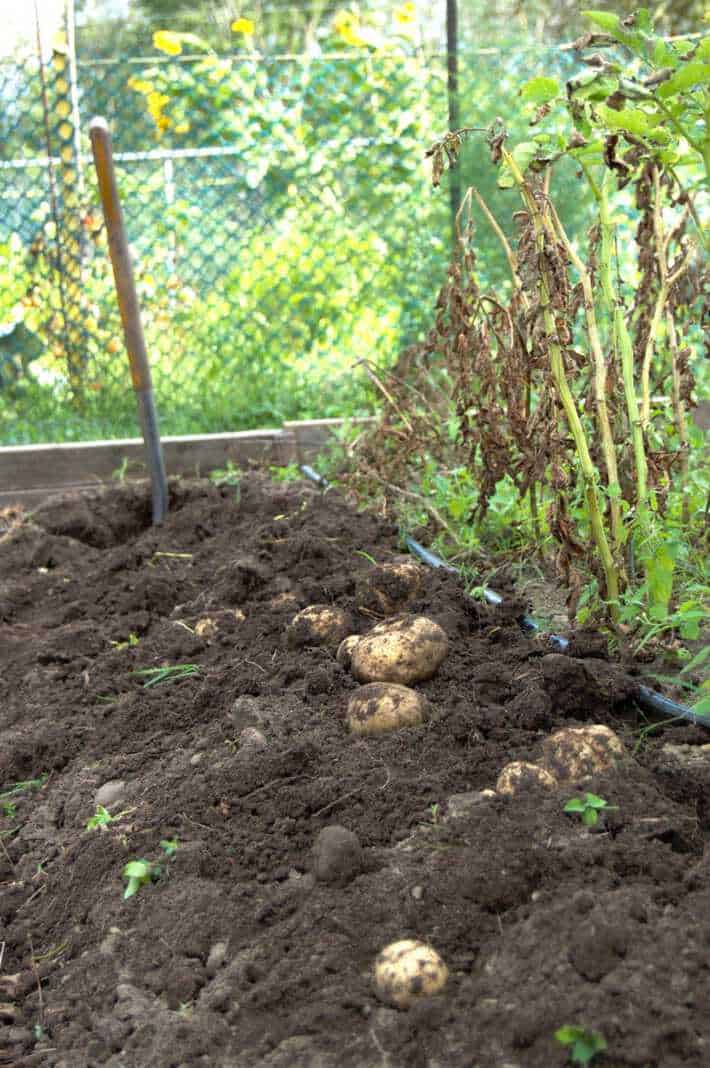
(575, 753)
(388, 588)
(345, 650)
(209, 626)
(319, 624)
(408, 970)
(404, 650)
(385, 706)
(521, 777)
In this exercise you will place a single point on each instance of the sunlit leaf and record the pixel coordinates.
(540, 90)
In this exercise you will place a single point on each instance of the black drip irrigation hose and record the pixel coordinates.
(646, 698)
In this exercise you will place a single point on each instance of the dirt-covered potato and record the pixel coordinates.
(208, 627)
(520, 777)
(408, 970)
(575, 753)
(388, 588)
(345, 649)
(385, 706)
(403, 650)
(319, 624)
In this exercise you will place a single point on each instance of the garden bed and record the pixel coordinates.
(236, 954)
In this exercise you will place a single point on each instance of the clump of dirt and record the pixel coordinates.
(294, 851)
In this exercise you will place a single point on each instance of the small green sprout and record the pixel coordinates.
(435, 811)
(144, 872)
(583, 1045)
(7, 806)
(288, 473)
(139, 873)
(169, 846)
(231, 475)
(589, 808)
(366, 556)
(131, 641)
(168, 673)
(102, 817)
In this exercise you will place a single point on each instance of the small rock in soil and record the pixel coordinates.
(110, 793)
(337, 856)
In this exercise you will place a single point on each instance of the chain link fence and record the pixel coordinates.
(281, 220)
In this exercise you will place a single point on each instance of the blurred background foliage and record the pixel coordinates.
(276, 196)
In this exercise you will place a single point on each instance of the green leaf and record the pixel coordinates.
(540, 90)
(593, 85)
(605, 20)
(695, 73)
(575, 805)
(590, 817)
(702, 707)
(659, 576)
(635, 120)
(697, 661)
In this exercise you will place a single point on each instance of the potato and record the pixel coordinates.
(385, 706)
(388, 588)
(575, 753)
(520, 777)
(407, 970)
(319, 624)
(405, 650)
(344, 653)
(209, 626)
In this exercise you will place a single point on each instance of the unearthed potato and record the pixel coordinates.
(319, 624)
(345, 649)
(387, 588)
(403, 650)
(580, 752)
(209, 626)
(407, 970)
(519, 777)
(385, 706)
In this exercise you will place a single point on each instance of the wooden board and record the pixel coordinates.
(31, 473)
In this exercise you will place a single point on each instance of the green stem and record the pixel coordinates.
(590, 476)
(622, 345)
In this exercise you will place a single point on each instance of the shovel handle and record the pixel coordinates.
(130, 312)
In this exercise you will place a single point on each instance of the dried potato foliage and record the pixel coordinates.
(487, 361)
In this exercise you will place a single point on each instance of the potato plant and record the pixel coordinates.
(573, 390)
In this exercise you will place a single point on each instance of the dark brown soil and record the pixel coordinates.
(251, 949)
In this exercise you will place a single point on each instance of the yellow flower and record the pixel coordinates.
(347, 26)
(245, 26)
(140, 85)
(167, 41)
(156, 102)
(406, 13)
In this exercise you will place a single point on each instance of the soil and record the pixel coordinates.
(255, 942)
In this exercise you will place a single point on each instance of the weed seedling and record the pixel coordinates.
(583, 1045)
(143, 872)
(168, 673)
(131, 641)
(366, 556)
(102, 817)
(231, 475)
(589, 807)
(139, 873)
(7, 806)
